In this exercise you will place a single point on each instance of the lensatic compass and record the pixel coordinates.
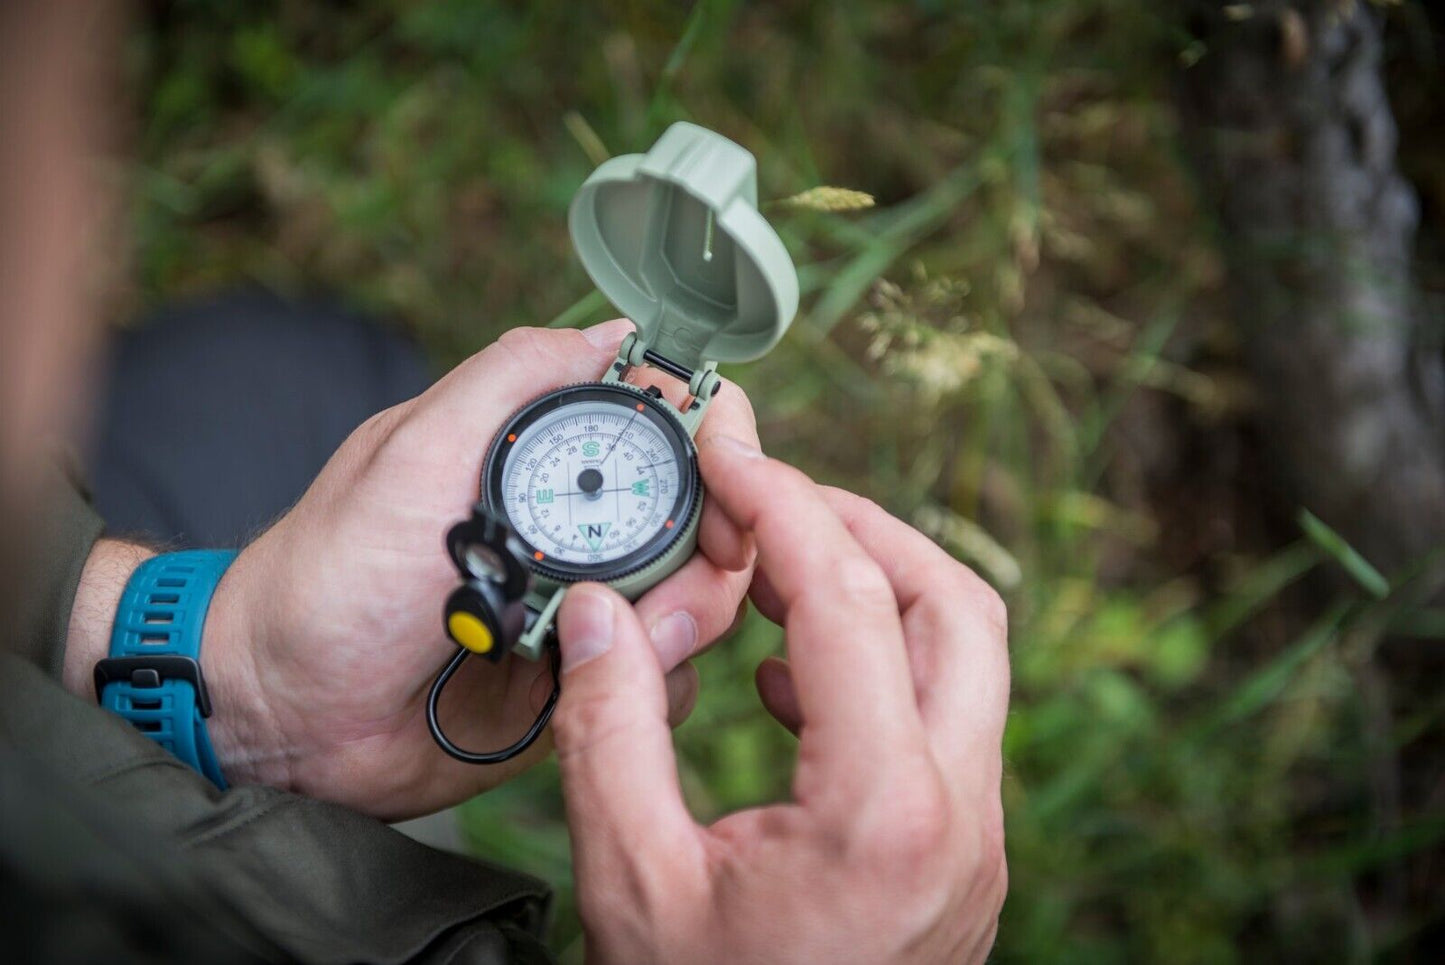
(599, 481)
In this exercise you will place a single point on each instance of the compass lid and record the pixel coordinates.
(674, 239)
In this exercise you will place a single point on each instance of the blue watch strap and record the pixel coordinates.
(153, 676)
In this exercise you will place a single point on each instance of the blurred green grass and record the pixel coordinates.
(1005, 352)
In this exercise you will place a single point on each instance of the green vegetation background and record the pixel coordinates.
(992, 353)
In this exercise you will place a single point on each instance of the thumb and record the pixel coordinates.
(478, 394)
(614, 746)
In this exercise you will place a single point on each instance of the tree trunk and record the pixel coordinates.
(1288, 117)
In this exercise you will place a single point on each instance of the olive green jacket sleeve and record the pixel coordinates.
(250, 873)
(64, 531)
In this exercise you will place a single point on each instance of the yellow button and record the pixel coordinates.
(470, 632)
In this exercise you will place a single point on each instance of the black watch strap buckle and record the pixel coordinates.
(149, 672)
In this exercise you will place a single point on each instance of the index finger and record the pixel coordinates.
(844, 637)
(714, 583)
(730, 414)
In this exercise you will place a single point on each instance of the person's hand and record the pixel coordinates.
(326, 633)
(897, 678)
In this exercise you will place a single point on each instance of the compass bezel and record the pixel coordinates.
(663, 418)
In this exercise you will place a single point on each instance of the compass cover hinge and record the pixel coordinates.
(702, 384)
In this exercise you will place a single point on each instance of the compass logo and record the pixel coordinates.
(593, 533)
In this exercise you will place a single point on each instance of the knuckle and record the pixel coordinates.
(415, 434)
(530, 344)
(963, 604)
(983, 600)
(713, 619)
(736, 404)
(769, 501)
(862, 580)
(765, 486)
(939, 612)
(791, 478)
(578, 720)
(913, 832)
(379, 427)
(854, 503)
(368, 440)
(991, 607)
(923, 823)
(866, 506)
(588, 721)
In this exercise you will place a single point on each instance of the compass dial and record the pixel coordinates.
(598, 480)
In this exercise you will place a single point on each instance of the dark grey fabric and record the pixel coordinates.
(217, 414)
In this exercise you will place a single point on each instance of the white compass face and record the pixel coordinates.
(591, 482)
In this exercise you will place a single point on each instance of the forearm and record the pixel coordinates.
(245, 739)
(109, 566)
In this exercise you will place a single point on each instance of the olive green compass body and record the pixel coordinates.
(599, 481)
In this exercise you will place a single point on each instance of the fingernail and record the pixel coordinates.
(589, 629)
(737, 446)
(607, 334)
(673, 637)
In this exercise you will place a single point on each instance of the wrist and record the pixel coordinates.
(241, 728)
(107, 570)
(244, 729)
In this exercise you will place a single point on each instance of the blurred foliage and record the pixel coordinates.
(1022, 340)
